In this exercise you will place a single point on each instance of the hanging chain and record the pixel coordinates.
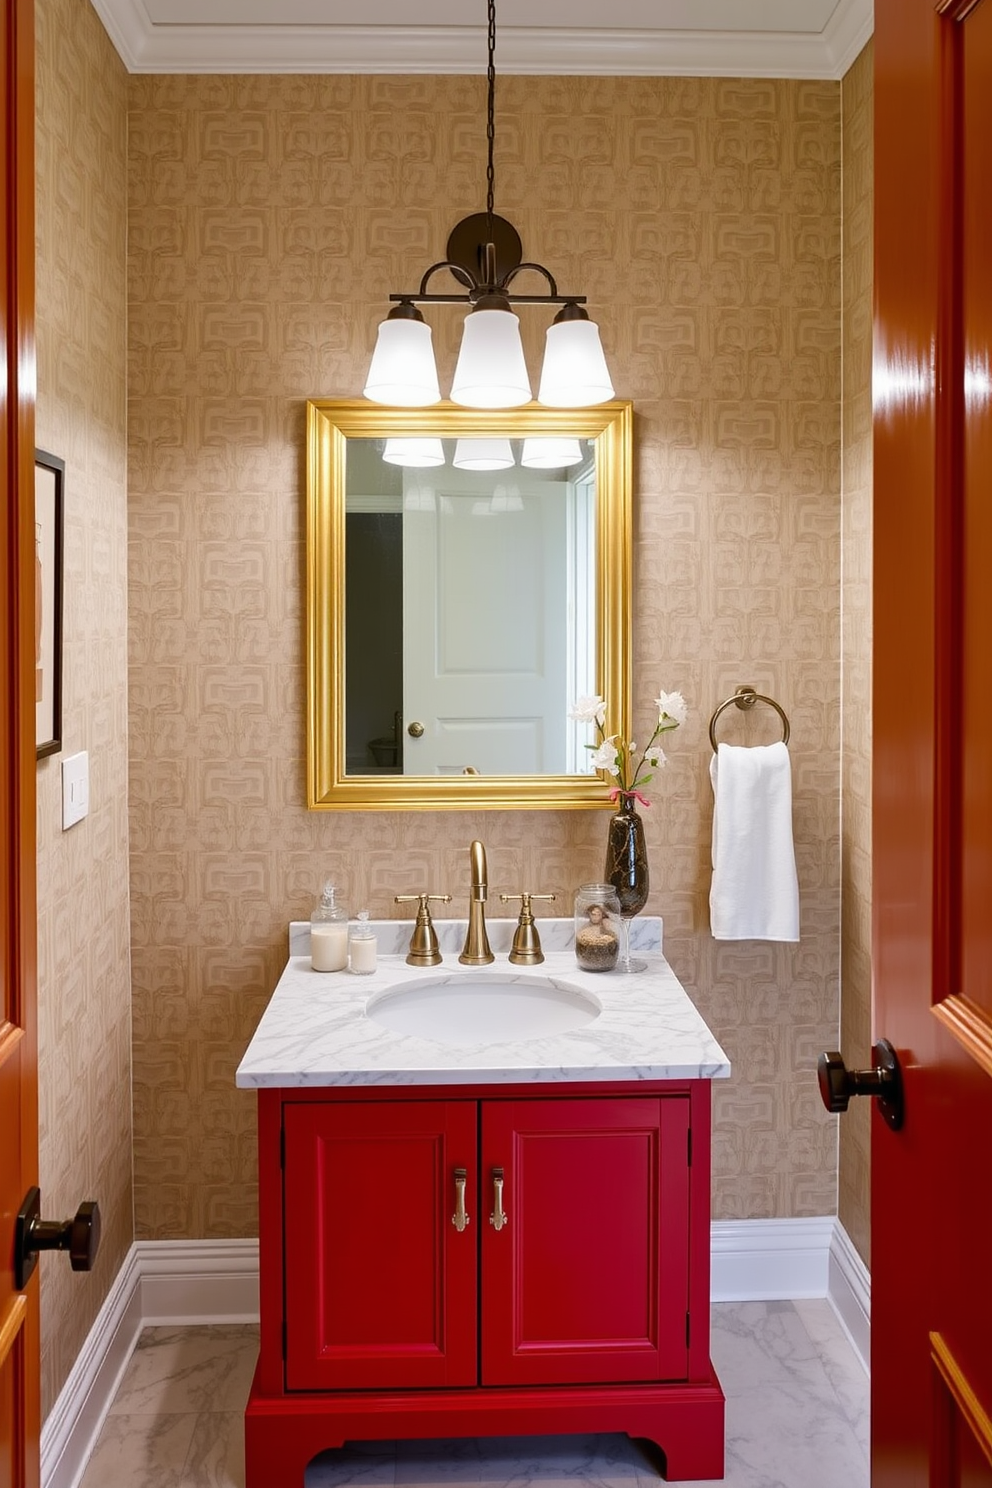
(491, 117)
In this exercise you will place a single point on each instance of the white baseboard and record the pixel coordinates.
(198, 1281)
(849, 1291)
(73, 1424)
(183, 1282)
(768, 1259)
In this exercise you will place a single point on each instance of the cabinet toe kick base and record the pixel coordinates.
(685, 1421)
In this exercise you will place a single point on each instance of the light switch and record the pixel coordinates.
(75, 788)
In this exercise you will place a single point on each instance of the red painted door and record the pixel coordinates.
(931, 1181)
(382, 1287)
(588, 1277)
(19, 1319)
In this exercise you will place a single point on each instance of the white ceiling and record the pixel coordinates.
(716, 38)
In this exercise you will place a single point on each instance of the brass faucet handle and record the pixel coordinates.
(526, 948)
(424, 949)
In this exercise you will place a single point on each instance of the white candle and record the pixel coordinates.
(362, 951)
(329, 946)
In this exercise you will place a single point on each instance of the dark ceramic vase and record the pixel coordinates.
(627, 859)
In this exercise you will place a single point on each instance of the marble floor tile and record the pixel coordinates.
(140, 1451)
(842, 1365)
(188, 1370)
(216, 1456)
(797, 1417)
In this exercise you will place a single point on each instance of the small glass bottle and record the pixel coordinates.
(329, 932)
(362, 945)
(597, 927)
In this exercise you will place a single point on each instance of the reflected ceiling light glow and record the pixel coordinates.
(899, 381)
(977, 383)
(506, 499)
(419, 498)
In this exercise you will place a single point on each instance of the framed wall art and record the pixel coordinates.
(49, 478)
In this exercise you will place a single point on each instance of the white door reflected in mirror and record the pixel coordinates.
(490, 586)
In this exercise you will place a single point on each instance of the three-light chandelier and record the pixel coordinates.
(485, 255)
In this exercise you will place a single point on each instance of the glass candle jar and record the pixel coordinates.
(597, 927)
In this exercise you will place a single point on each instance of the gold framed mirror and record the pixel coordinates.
(454, 614)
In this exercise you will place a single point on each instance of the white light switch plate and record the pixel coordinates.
(75, 788)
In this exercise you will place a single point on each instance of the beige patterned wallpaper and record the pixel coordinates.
(270, 218)
(84, 988)
(855, 1128)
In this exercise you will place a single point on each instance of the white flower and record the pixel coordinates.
(671, 705)
(656, 757)
(605, 757)
(588, 710)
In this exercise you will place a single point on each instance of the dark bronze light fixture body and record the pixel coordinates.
(484, 256)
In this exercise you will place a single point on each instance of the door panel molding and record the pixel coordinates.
(969, 1025)
(953, 1391)
(956, 10)
(11, 1325)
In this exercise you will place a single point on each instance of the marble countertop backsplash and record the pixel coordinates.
(316, 1031)
(557, 934)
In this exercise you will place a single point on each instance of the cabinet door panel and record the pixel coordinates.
(588, 1281)
(382, 1290)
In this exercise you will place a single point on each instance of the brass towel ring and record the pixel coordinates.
(745, 699)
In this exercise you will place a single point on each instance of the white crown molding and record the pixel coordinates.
(148, 48)
(187, 1282)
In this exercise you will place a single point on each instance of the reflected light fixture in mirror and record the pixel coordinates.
(484, 255)
(415, 454)
(483, 454)
(550, 454)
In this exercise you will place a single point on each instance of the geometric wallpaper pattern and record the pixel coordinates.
(84, 1003)
(270, 217)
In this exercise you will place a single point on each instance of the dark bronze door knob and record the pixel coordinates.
(883, 1081)
(80, 1236)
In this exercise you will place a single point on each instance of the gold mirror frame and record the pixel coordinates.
(329, 426)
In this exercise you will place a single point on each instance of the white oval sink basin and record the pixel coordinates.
(475, 1009)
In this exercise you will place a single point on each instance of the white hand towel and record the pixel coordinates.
(755, 891)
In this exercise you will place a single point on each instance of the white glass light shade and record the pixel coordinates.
(414, 454)
(550, 453)
(574, 374)
(491, 371)
(483, 454)
(403, 371)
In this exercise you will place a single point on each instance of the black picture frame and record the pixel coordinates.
(49, 520)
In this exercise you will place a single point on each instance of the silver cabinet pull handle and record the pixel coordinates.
(499, 1216)
(460, 1218)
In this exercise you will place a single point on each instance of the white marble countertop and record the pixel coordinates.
(315, 1030)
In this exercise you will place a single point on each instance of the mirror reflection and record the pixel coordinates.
(470, 606)
(468, 578)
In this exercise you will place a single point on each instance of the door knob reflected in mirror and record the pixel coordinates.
(80, 1236)
(884, 1081)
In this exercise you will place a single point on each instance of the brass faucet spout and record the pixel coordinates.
(476, 951)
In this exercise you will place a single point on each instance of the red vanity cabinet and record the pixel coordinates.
(459, 1261)
(380, 1287)
(587, 1281)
